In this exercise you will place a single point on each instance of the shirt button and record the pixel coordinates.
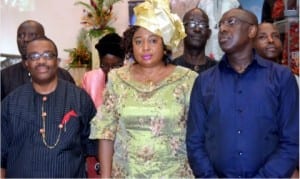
(239, 131)
(240, 153)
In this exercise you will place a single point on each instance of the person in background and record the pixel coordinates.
(196, 26)
(45, 123)
(244, 113)
(141, 123)
(17, 74)
(215, 9)
(111, 56)
(267, 42)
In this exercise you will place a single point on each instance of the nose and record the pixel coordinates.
(197, 29)
(145, 46)
(222, 27)
(270, 39)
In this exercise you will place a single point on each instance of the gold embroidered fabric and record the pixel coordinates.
(156, 16)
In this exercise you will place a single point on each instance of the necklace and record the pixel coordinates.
(43, 130)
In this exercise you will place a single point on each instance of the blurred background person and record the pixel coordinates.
(111, 56)
(196, 24)
(267, 42)
(17, 74)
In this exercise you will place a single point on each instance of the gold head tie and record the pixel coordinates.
(156, 16)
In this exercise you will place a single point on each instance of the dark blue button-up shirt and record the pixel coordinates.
(244, 125)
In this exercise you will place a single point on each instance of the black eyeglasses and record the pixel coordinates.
(194, 24)
(232, 21)
(44, 55)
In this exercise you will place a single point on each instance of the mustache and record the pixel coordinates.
(42, 65)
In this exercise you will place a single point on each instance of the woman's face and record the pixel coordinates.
(148, 49)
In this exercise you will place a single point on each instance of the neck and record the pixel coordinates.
(195, 57)
(240, 61)
(149, 74)
(45, 88)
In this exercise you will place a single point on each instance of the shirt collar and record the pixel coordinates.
(256, 61)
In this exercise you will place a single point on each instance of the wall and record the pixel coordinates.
(61, 20)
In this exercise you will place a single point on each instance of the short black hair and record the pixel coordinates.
(110, 44)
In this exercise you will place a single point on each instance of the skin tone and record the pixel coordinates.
(109, 62)
(195, 41)
(148, 52)
(28, 31)
(236, 39)
(267, 42)
(43, 71)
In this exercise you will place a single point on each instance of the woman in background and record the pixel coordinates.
(141, 124)
(111, 56)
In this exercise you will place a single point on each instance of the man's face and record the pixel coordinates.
(197, 29)
(267, 42)
(234, 31)
(26, 33)
(42, 61)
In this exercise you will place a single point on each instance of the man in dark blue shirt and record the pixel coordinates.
(244, 112)
(45, 123)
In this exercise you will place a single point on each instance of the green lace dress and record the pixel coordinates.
(147, 124)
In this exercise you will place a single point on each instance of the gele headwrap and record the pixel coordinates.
(156, 16)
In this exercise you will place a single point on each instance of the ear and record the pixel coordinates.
(26, 63)
(252, 31)
(208, 33)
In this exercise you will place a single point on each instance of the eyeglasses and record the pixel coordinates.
(194, 24)
(232, 21)
(44, 55)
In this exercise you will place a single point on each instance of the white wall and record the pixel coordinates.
(60, 18)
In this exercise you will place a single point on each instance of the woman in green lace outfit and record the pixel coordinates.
(141, 124)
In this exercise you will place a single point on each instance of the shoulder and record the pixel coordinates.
(181, 72)
(65, 75)
(210, 61)
(94, 73)
(177, 60)
(273, 68)
(12, 68)
(20, 93)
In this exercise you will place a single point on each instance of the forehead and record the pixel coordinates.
(40, 46)
(236, 13)
(195, 14)
(110, 59)
(29, 27)
(267, 27)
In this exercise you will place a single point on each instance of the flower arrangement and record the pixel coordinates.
(97, 16)
(81, 55)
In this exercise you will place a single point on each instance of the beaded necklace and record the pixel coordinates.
(43, 130)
